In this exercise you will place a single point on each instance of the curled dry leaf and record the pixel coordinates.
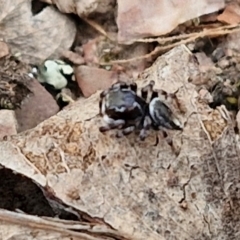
(127, 183)
(35, 37)
(144, 19)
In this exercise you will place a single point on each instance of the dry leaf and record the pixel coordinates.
(231, 14)
(125, 183)
(37, 37)
(139, 19)
(26, 227)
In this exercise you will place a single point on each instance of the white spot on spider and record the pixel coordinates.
(111, 121)
(34, 70)
(177, 122)
(103, 107)
(30, 75)
(151, 107)
(120, 109)
(107, 119)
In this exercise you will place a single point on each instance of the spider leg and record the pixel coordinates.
(146, 126)
(168, 97)
(169, 141)
(133, 87)
(111, 124)
(100, 107)
(126, 131)
(124, 85)
(161, 94)
(168, 138)
(119, 85)
(104, 93)
(147, 89)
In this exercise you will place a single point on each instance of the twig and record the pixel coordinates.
(64, 227)
(184, 39)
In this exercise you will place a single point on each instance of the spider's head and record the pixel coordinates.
(120, 101)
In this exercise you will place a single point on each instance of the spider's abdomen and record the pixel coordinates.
(162, 116)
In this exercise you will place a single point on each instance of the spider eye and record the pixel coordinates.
(152, 83)
(118, 108)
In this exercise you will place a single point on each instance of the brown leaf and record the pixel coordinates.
(144, 19)
(36, 37)
(231, 14)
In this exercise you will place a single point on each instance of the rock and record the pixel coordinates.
(39, 106)
(90, 52)
(84, 7)
(232, 43)
(35, 37)
(8, 123)
(205, 62)
(91, 7)
(91, 79)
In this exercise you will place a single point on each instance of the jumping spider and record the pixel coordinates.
(122, 108)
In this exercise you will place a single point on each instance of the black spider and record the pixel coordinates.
(122, 108)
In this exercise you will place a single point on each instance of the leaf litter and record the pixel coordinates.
(100, 187)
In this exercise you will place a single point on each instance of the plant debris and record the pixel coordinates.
(13, 90)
